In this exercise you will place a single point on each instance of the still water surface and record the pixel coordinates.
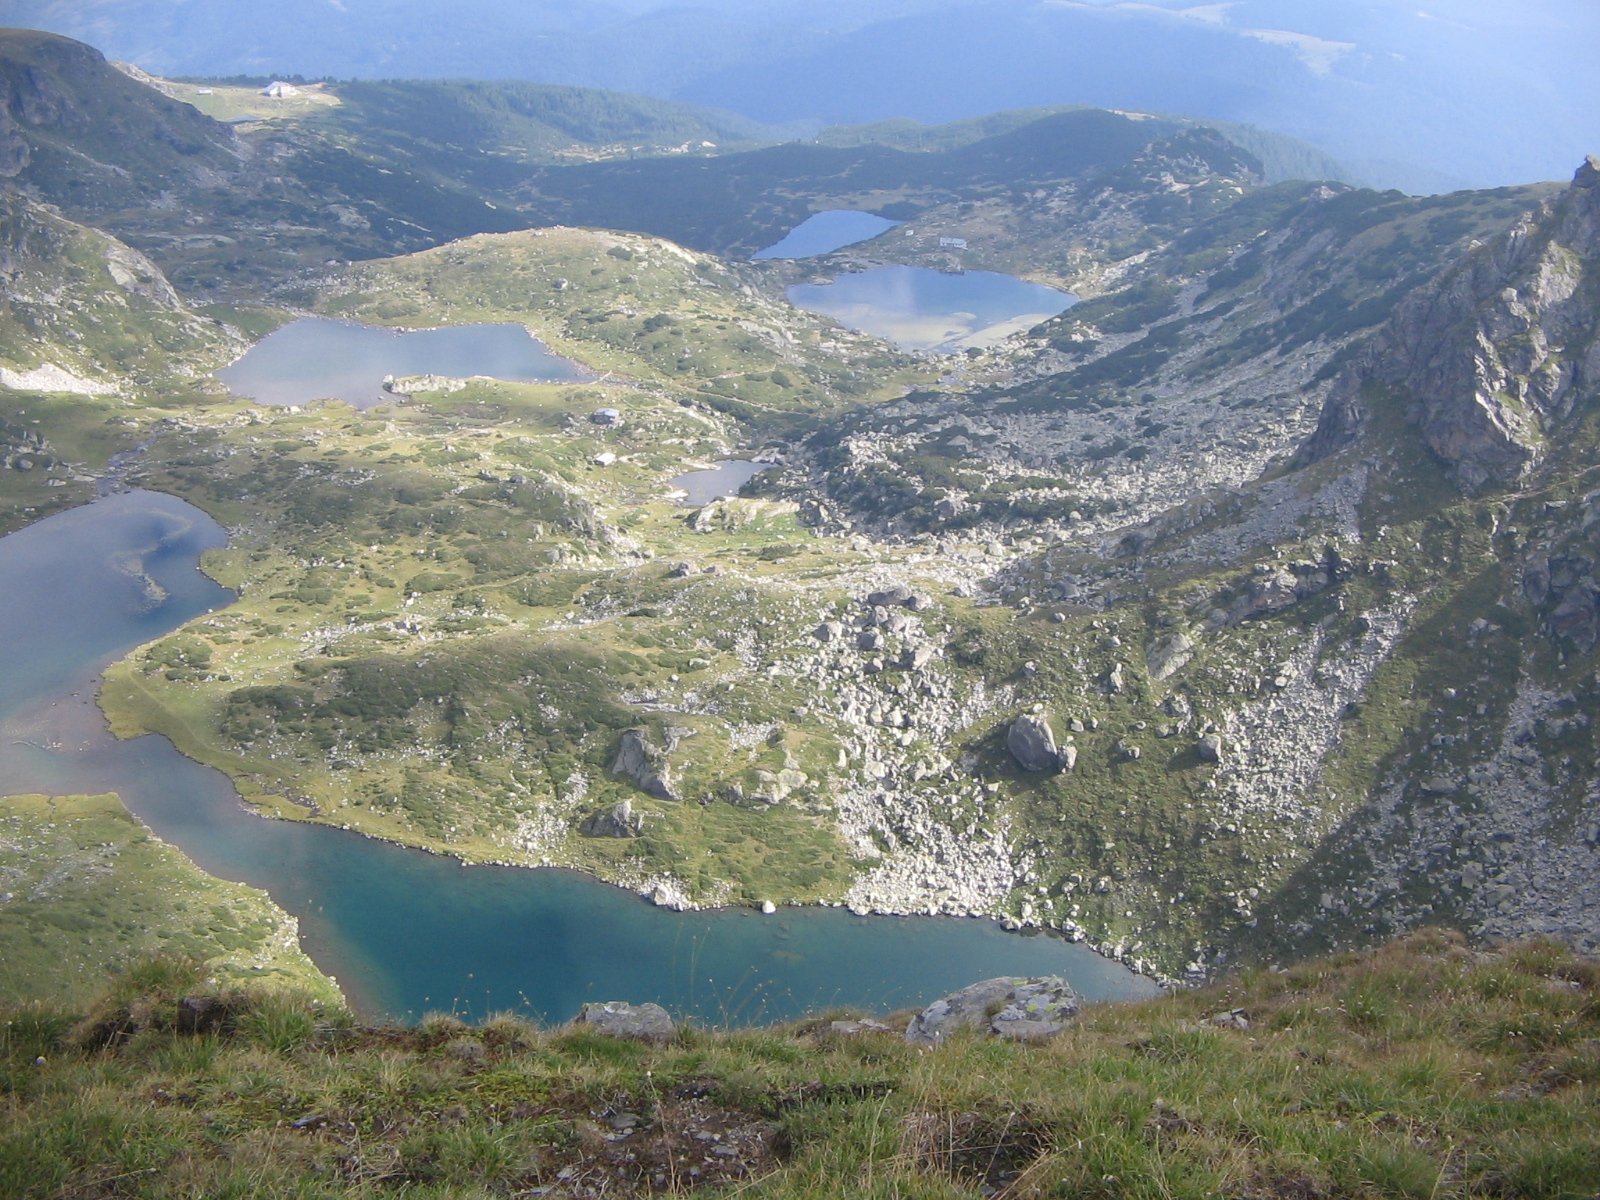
(919, 309)
(724, 479)
(318, 359)
(403, 931)
(825, 232)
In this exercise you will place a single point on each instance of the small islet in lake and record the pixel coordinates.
(919, 309)
(315, 358)
(405, 932)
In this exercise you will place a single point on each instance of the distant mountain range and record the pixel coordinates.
(1467, 92)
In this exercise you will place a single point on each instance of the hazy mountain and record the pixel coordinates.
(1466, 92)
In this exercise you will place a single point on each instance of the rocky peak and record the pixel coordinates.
(1493, 354)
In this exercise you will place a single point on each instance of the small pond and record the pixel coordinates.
(406, 932)
(318, 359)
(919, 309)
(825, 232)
(724, 479)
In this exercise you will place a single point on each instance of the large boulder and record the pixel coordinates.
(1009, 1007)
(890, 597)
(642, 1022)
(1033, 744)
(641, 760)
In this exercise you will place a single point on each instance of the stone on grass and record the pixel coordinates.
(644, 1022)
(1209, 747)
(1033, 744)
(1008, 1007)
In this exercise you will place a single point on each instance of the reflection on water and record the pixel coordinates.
(403, 931)
(825, 232)
(318, 359)
(724, 479)
(919, 309)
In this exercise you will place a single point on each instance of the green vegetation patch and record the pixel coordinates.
(85, 890)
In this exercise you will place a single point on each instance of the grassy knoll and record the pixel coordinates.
(639, 307)
(85, 891)
(1423, 1070)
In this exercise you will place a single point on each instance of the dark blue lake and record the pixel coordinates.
(919, 309)
(406, 932)
(318, 359)
(825, 232)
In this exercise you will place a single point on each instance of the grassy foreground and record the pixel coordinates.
(1422, 1070)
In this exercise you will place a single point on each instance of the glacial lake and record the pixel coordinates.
(314, 358)
(724, 479)
(825, 232)
(919, 309)
(406, 932)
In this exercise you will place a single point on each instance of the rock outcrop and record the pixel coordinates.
(641, 760)
(618, 821)
(1007, 1007)
(1494, 352)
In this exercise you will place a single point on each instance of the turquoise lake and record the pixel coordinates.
(318, 359)
(825, 232)
(406, 932)
(919, 309)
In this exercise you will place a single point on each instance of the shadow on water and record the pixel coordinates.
(403, 931)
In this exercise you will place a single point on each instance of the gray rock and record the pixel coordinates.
(1274, 590)
(1169, 655)
(890, 597)
(1008, 1007)
(644, 1022)
(1033, 744)
(618, 821)
(854, 1028)
(1114, 681)
(1209, 747)
(870, 639)
(828, 631)
(641, 760)
(1439, 786)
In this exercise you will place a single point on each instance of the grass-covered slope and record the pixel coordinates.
(86, 891)
(1424, 1071)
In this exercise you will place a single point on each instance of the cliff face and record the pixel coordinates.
(1491, 356)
